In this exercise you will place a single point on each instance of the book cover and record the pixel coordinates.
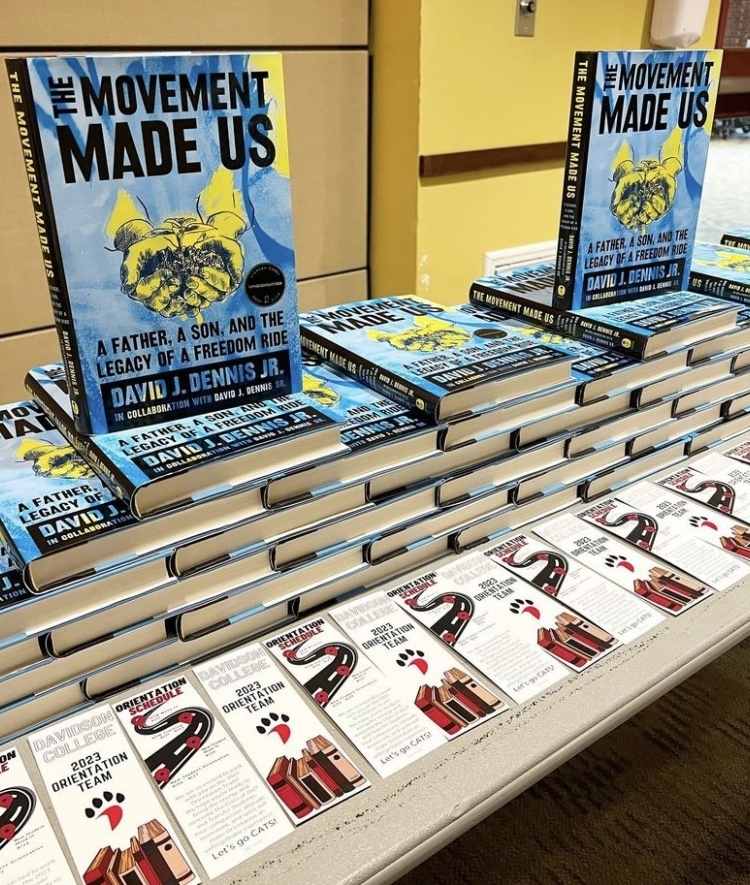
(52, 503)
(578, 587)
(418, 665)
(274, 726)
(175, 463)
(737, 238)
(638, 136)
(29, 850)
(161, 189)
(363, 702)
(721, 271)
(103, 799)
(641, 328)
(429, 357)
(664, 526)
(669, 591)
(196, 764)
(599, 372)
(380, 433)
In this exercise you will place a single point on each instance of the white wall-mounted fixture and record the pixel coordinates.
(678, 23)
(500, 260)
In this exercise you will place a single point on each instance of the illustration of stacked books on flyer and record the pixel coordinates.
(163, 191)
(108, 810)
(629, 567)
(419, 666)
(431, 358)
(286, 741)
(638, 137)
(29, 850)
(219, 800)
(575, 585)
(388, 730)
(680, 532)
(520, 638)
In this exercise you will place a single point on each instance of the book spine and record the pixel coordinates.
(105, 467)
(367, 372)
(287, 793)
(139, 858)
(26, 120)
(324, 776)
(736, 242)
(576, 157)
(424, 701)
(710, 284)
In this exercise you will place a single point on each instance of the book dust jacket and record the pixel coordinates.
(109, 813)
(161, 191)
(225, 809)
(29, 850)
(286, 739)
(638, 137)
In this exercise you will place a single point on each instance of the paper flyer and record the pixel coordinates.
(739, 452)
(516, 635)
(418, 666)
(691, 519)
(286, 741)
(29, 850)
(389, 732)
(628, 567)
(667, 536)
(107, 808)
(576, 586)
(225, 809)
(715, 480)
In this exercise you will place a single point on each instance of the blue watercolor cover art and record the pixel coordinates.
(51, 497)
(368, 418)
(647, 128)
(429, 350)
(170, 188)
(589, 361)
(148, 453)
(722, 271)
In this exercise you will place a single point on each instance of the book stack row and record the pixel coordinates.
(145, 549)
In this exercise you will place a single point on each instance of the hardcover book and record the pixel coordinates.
(721, 271)
(600, 372)
(176, 463)
(425, 356)
(162, 197)
(638, 136)
(738, 238)
(641, 328)
(380, 433)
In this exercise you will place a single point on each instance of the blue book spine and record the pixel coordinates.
(162, 195)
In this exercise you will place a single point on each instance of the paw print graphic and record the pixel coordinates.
(413, 657)
(109, 806)
(518, 605)
(613, 560)
(268, 723)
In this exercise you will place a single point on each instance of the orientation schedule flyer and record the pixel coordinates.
(389, 732)
(29, 850)
(225, 809)
(108, 810)
(283, 736)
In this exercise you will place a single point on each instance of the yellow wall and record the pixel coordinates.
(478, 86)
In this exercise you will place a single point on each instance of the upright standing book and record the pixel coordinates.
(162, 199)
(638, 136)
(442, 362)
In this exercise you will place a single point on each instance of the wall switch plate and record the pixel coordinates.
(525, 17)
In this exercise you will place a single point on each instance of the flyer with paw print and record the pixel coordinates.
(225, 809)
(286, 740)
(109, 813)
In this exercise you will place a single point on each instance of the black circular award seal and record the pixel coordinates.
(265, 284)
